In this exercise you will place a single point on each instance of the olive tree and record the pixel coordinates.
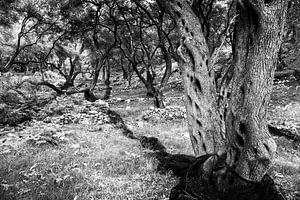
(230, 126)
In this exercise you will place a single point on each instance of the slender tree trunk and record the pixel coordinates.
(8, 65)
(168, 70)
(97, 70)
(158, 98)
(89, 94)
(149, 83)
(107, 82)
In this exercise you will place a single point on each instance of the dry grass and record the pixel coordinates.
(101, 163)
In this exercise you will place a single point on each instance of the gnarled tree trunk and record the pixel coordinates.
(237, 131)
(204, 123)
(258, 34)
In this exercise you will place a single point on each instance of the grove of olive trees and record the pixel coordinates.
(77, 67)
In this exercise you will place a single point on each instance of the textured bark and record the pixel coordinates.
(236, 128)
(204, 123)
(257, 41)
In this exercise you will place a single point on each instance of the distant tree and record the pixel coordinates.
(145, 41)
(291, 43)
(94, 20)
(8, 14)
(34, 26)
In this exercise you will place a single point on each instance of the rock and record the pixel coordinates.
(11, 98)
(93, 112)
(169, 113)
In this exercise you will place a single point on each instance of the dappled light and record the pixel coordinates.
(140, 99)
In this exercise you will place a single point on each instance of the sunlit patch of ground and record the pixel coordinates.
(285, 110)
(95, 165)
(99, 162)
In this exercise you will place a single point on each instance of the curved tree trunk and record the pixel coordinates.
(237, 131)
(204, 123)
(257, 40)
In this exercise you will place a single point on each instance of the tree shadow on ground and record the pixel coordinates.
(192, 183)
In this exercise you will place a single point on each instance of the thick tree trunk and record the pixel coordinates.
(204, 122)
(257, 41)
(236, 131)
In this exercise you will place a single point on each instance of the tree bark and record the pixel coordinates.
(257, 40)
(236, 132)
(204, 123)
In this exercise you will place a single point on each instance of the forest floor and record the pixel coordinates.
(81, 153)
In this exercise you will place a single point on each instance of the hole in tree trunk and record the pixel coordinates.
(242, 90)
(200, 134)
(191, 79)
(204, 147)
(183, 22)
(189, 99)
(194, 139)
(197, 108)
(243, 128)
(240, 140)
(266, 146)
(199, 123)
(198, 85)
(228, 94)
(187, 29)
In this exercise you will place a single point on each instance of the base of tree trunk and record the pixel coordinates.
(159, 99)
(67, 85)
(107, 93)
(89, 96)
(196, 185)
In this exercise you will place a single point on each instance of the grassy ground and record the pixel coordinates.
(99, 162)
